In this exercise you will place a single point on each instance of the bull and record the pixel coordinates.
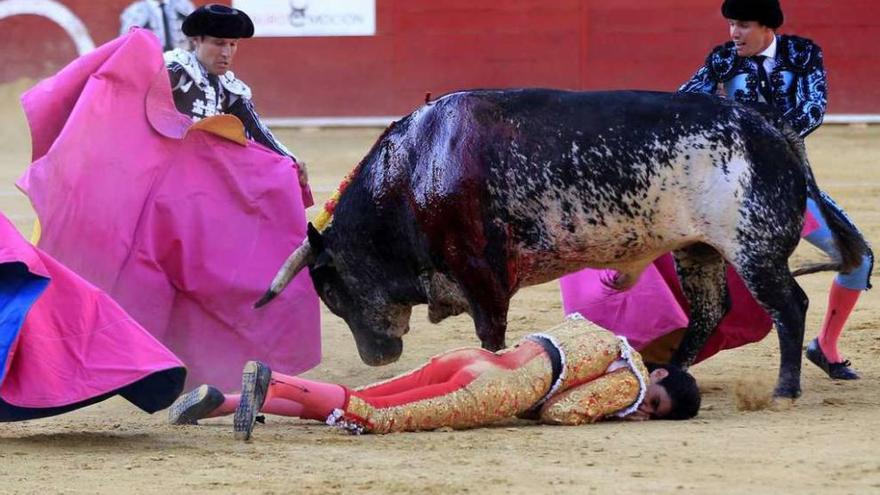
(480, 193)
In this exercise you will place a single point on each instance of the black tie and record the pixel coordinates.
(763, 79)
(168, 44)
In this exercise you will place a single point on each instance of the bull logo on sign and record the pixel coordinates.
(298, 13)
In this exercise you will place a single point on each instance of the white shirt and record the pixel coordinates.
(770, 53)
(769, 63)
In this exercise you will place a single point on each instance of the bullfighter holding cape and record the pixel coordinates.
(784, 72)
(182, 223)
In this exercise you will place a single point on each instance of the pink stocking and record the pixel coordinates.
(840, 304)
(317, 399)
(230, 403)
(277, 406)
(283, 407)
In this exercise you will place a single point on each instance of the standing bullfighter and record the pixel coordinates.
(202, 82)
(786, 72)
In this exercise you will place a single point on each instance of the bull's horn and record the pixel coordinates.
(295, 262)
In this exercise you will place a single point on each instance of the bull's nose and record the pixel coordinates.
(379, 352)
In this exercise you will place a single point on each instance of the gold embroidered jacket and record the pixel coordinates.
(583, 392)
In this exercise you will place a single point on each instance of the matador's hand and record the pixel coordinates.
(637, 416)
(303, 173)
(611, 279)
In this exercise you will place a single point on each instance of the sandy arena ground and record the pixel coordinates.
(827, 442)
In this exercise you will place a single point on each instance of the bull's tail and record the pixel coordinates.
(851, 244)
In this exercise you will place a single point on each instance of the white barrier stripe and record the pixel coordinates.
(57, 13)
(374, 121)
(384, 120)
(852, 118)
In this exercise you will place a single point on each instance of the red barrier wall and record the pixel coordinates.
(430, 46)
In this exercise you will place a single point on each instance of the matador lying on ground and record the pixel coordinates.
(574, 373)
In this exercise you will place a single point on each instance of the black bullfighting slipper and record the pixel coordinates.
(194, 405)
(837, 371)
(254, 385)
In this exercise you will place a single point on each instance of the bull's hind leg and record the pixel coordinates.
(701, 270)
(771, 283)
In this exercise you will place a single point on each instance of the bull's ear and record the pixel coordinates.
(315, 238)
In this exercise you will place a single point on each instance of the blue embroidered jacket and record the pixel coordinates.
(797, 83)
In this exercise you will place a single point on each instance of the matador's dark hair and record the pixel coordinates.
(682, 389)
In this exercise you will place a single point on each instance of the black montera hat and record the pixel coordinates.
(767, 12)
(218, 21)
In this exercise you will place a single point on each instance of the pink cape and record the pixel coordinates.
(656, 306)
(184, 228)
(75, 345)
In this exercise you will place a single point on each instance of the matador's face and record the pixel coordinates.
(216, 54)
(657, 402)
(749, 37)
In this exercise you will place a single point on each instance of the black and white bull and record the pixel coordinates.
(480, 193)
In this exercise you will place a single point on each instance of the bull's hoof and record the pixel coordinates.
(782, 404)
(787, 392)
(494, 346)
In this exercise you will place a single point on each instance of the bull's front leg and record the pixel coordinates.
(702, 273)
(488, 299)
(478, 262)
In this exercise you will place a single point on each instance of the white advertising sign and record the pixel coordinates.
(310, 17)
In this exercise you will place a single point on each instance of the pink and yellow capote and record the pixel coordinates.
(183, 224)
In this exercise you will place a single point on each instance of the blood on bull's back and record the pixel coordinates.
(594, 179)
